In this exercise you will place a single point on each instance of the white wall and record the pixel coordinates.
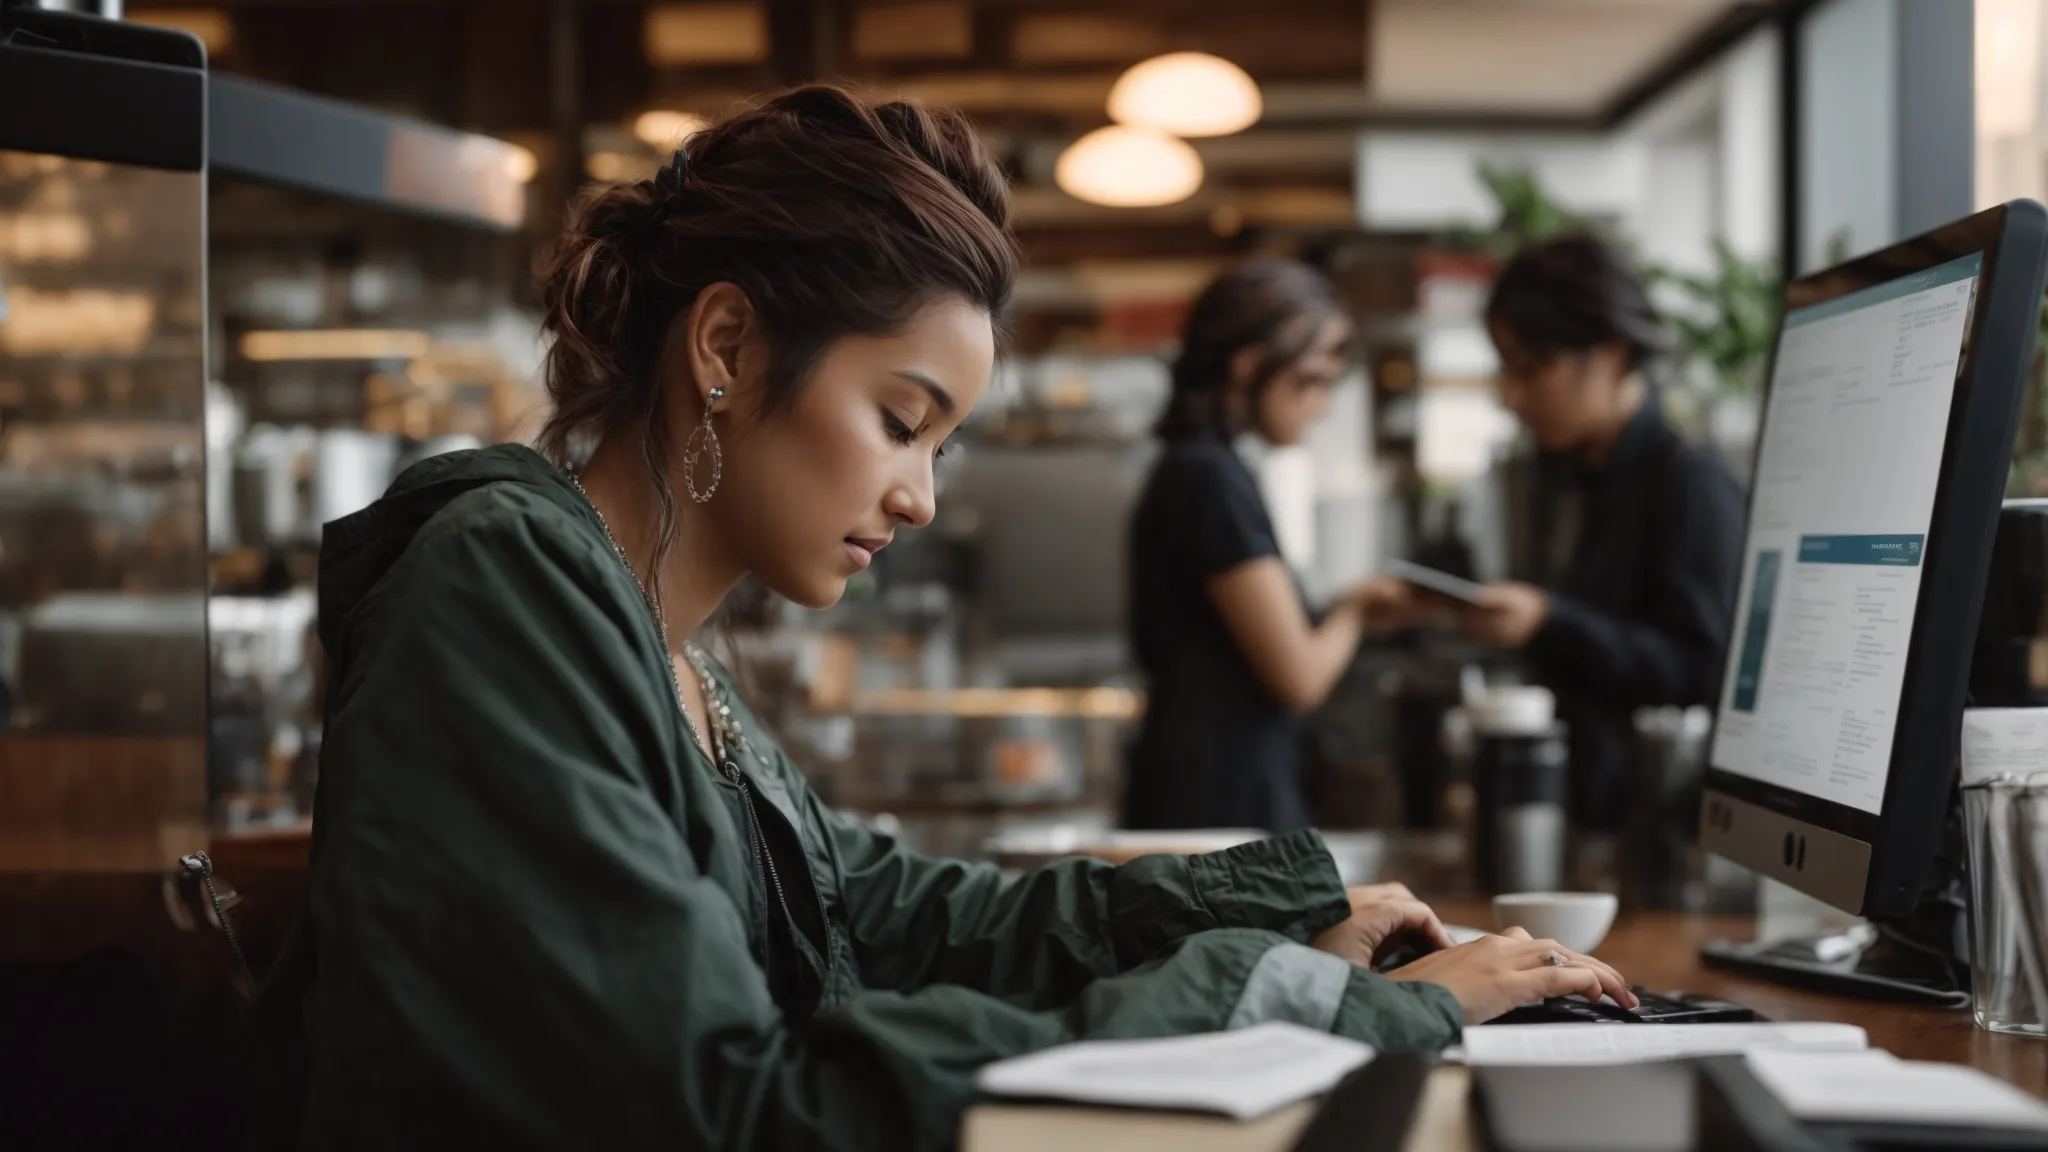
(1324, 494)
(1679, 216)
(1712, 160)
(1699, 161)
(1751, 185)
(1410, 179)
(1347, 490)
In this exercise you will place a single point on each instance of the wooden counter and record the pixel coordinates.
(99, 805)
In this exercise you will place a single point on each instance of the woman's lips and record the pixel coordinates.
(863, 549)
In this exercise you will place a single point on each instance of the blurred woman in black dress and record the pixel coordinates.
(1230, 650)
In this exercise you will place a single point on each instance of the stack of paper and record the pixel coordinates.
(1875, 1087)
(1239, 1074)
(1633, 1043)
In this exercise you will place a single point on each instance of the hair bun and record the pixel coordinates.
(834, 215)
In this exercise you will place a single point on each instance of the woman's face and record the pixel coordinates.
(1564, 400)
(811, 493)
(1299, 395)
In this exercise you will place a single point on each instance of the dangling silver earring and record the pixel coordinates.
(702, 440)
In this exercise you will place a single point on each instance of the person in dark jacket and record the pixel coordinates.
(1637, 533)
(1231, 652)
(566, 893)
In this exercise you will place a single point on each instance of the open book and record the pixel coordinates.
(1240, 1074)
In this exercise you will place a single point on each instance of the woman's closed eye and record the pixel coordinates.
(903, 433)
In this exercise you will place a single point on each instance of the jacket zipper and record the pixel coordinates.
(764, 862)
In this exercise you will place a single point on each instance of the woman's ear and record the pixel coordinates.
(1244, 366)
(723, 344)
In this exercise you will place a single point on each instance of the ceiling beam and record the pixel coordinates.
(1695, 52)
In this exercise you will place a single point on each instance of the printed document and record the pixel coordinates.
(1875, 1087)
(1241, 1074)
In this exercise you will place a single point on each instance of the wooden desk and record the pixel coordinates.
(1661, 952)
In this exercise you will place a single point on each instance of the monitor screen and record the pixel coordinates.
(1846, 474)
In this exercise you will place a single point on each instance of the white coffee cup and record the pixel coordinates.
(1577, 920)
(1513, 710)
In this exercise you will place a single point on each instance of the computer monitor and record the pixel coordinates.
(1882, 455)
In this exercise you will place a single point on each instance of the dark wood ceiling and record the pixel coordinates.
(489, 64)
(1034, 73)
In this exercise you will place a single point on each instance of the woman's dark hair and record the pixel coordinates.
(1278, 306)
(836, 215)
(1571, 294)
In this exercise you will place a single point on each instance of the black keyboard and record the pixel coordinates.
(1656, 1008)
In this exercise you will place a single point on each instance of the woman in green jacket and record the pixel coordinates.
(566, 894)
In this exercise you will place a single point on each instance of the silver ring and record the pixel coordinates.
(1555, 959)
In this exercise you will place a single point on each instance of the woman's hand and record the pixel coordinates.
(1386, 603)
(1494, 974)
(1508, 614)
(1380, 913)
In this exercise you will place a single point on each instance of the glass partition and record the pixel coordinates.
(103, 653)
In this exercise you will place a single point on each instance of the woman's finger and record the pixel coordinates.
(1611, 981)
(1436, 933)
(1516, 934)
(1421, 919)
(1415, 916)
(1545, 982)
(1548, 953)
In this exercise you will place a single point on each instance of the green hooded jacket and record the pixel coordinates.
(541, 918)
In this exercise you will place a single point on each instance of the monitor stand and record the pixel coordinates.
(1885, 969)
(1920, 958)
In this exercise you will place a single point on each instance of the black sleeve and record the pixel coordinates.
(1671, 654)
(1219, 516)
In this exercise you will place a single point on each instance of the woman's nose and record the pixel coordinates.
(911, 502)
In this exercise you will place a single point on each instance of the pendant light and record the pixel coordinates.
(663, 129)
(1186, 94)
(1125, 167)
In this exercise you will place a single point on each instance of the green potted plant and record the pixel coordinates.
(1466, 257)
(1525, 211)
(1722, 322)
